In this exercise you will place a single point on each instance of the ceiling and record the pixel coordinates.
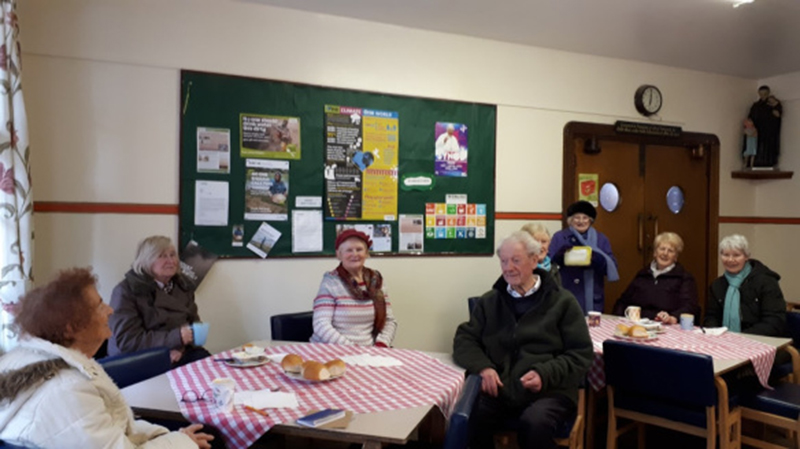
(755, 41)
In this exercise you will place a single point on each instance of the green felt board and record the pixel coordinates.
(215, 101)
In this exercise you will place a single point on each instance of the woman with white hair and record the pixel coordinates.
(747, 297)
(154, 305)
(542, 235)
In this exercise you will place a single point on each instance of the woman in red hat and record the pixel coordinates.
(351, 307)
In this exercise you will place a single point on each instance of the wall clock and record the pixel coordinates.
(648, 100)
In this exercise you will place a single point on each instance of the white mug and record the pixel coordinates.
(223, 389)
(633, 313)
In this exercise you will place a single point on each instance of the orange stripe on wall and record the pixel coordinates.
(105, 208)
(526, 216)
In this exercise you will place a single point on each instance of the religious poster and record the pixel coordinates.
(213, 150)
(266, 189)
(455, 221)
(361, 163)
(451, 149)
(269, 136)
(587, 187)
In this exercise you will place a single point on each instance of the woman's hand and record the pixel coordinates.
(187, 336)
(175, 355)
(200, 438)
(666, 318)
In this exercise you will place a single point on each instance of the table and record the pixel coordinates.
(155, 398)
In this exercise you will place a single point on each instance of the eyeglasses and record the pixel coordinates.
(192, 396)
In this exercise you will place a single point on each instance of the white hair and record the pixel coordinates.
(147, 253)
(532, 247)
(735, 242)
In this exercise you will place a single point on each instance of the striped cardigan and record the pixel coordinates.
(341, 319)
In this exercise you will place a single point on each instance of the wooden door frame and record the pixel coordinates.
(600, 132)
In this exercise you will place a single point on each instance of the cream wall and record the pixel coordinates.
(102, 83)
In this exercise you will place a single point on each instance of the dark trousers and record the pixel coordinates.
(536, 424)
(192, 354)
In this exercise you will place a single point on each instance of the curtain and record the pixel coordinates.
(16, 198)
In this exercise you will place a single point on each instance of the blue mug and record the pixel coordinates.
(200, 332)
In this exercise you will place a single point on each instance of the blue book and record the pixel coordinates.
(321, 417)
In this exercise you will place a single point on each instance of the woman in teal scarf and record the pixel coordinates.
(542, 235)
(747, 297)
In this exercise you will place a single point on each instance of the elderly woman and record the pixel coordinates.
(542, 235)
(352, 307)
(54, 394)
(747, 298)
(585, 280)
(154, 305)
(664, 289)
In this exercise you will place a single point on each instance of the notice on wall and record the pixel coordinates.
(213, 150)
(455, 221)
(380, 234)
(361, 163)
(269, 136)
(266, 190)
(587, 187)
(306, 231)
(211, 203)
(263, 240)
(411, 238)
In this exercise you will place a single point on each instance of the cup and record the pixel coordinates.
(594, 319)
(222, 389)
(200, 333)
(687, 321)
(633, 313)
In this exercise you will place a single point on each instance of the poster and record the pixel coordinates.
(587, 187)
(263, 240)
(361, 163)
(306, 231)
(213, 150)
(266, 190)
(455, 221)
(269, 136)
(380, 234)
(196, 261)
(411, 238)
(451, 149)
(210, 203)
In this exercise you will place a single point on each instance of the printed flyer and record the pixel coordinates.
(451, 149)
(269, 136)
(213, 150)
(361, 163)
(266, 189)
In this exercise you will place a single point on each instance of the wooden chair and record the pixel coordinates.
(667, 388)
(574, 437)
(292, 326)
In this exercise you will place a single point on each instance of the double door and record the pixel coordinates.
(662, 186)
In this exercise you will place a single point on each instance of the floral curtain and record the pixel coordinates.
(16, 198)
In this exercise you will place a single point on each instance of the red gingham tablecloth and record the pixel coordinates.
(726, 346)
(421, 380)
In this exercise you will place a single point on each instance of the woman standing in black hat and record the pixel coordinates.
(583, 273)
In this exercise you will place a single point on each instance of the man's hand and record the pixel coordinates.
(490, 382)
(532, 381)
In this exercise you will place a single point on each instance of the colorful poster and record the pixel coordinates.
(266, 189)
(455, 221)
(451, 149)
(587, 187)
(269, 136)
(213, 150)
(361, 160)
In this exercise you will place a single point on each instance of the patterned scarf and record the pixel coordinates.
(374, 292)
(545, 264)
(731, 317)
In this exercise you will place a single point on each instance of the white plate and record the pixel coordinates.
(651, 336)
(296, 376)
(248, 363)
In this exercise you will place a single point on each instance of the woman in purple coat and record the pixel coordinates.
(586, 280)
(663, 289)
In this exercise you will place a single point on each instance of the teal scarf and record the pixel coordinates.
(545, 264)
(730, 314)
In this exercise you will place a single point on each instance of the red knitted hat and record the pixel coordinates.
(349, 233)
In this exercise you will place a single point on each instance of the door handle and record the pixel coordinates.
(641, 232)
(656, 225)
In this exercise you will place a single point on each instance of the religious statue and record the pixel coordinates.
(750, 144)
(766, 115)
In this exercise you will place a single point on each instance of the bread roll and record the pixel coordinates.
(292, 363)
(638, 332)
(336, 367)
(623, 329)
(315, 371)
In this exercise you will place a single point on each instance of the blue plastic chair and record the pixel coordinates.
(779, 407)
(292, 326)
(128, 369)
(667, 388)
(457, 428)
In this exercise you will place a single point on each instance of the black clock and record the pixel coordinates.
(648, 100)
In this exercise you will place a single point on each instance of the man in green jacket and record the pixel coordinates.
(528, 340)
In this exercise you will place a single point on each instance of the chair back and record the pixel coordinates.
(457, 428)
(793, 324)
(292, 326)
(472, 302)
(128, 369)
(9, 445)
(659, 374)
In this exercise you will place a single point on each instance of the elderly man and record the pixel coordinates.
(528, 340)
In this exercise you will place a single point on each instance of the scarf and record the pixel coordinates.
(374, 292)
(731, 313)
(588, 273)
(545, 264)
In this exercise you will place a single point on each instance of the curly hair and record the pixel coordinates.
(48, 311)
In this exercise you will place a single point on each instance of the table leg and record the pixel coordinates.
(590, 417)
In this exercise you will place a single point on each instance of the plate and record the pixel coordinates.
(300, 377)
(248, 363)
(650, 337)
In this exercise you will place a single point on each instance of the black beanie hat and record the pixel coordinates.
(582, 207)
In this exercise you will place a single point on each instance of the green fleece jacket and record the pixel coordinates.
(552, 339)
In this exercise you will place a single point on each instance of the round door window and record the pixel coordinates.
(675, 199)
(609, 197)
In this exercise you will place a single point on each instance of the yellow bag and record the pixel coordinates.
(578, 256)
